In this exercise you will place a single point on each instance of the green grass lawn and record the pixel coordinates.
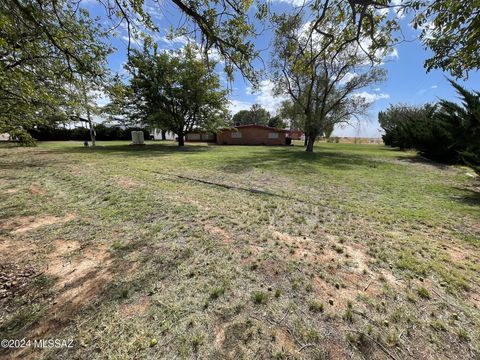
(215, 252)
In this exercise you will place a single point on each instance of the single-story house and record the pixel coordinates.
(295, 134)
(252, 135)
(203, 136)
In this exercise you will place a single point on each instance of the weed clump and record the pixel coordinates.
(216, 292)
(315, 306)
(259, 297)
(423, 293)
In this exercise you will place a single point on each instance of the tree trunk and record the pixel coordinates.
(305, 142)
(92, 131)
(181, 139)
(164, 135)
(311, 140)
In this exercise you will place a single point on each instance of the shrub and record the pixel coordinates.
(22, 137)
(447, 132)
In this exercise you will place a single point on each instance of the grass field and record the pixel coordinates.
(217, 252)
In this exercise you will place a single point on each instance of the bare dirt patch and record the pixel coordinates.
(19, 250)
(456, 253)
(284, 341)
(11, 191)
(219, 232)
(340, 296)
(126, 182)
(138, 308)
(301, 246)
(232, 338)
(35, 190)
(20, 225)
(81, 276)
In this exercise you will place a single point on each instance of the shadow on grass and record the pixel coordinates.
(470, 197)
(19, 164)
(418, 159)
(298, 159)
(148, 150)
(247, 157)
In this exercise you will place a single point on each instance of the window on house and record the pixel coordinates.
(236, 134)
(273, 135)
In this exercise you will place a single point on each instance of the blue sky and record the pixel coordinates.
(407, 80)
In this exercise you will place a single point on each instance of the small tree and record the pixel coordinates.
(176, 91)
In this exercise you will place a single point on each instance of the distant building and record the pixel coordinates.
(295, 134)
(252, 135)
(202, 136)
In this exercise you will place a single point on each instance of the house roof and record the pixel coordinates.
(260, 127)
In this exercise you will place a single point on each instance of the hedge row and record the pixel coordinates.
(103, 133)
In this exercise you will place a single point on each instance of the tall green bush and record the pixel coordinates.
(447, 132)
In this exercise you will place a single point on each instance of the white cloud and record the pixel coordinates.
(393, 53)
(214, 55)
(383, 11)
(153, 9)
(237, 105)
(179, 40)
(434, 86)
(399, 11)
(428, 28)
(294, 2)
(100, 97)
(266, 97)
(348, 76)
(370, 98)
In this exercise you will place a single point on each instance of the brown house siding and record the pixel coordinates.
(251, 135)
(200, 136)
(295, 134)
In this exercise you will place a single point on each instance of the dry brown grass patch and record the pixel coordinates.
(21, 224)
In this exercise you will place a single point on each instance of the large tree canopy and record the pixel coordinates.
(322, 75)
(256, 115)
(450, 29)
(176, 91)
(44, 48)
